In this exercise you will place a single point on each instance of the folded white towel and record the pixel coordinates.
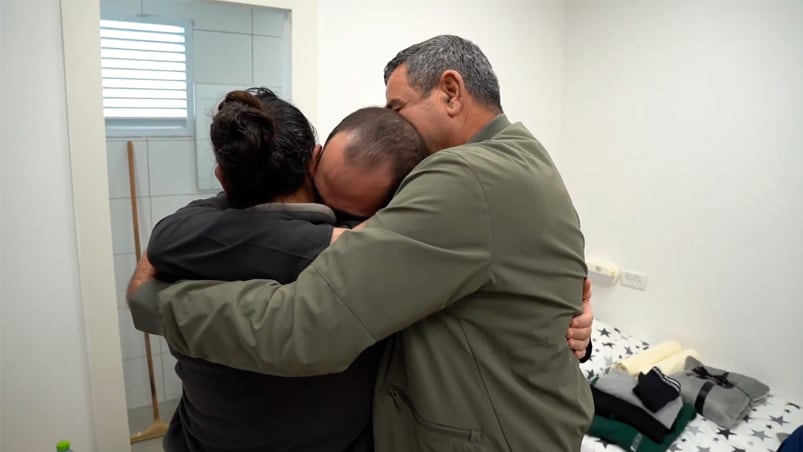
(645, 360)
(676, 363)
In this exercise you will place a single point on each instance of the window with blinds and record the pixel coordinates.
(146, 86)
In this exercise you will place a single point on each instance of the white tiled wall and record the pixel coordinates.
(122, 223)
(266, 71)
(137, 387)
(118, 168)
(233, 69)
(232, 46)
(171, 167)
(165, 175)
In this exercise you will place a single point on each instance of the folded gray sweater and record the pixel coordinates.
(722, 397)
(756, 390)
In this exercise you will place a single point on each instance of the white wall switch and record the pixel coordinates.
(633, 279)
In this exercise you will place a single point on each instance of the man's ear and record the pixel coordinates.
(453, 91)
(221, 178)
(312, 167)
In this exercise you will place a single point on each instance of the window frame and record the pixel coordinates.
(159, 127)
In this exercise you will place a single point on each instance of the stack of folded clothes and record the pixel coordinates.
(723, 397)
(641, 414)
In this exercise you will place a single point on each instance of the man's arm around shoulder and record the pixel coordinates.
(429, 248)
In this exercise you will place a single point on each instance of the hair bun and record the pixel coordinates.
(242, 98)
(241, 122)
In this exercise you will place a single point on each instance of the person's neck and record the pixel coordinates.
(475, 121)
(302, 195)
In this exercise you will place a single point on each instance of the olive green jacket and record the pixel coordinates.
(476, 266)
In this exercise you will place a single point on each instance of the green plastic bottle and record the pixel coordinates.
(63, 446)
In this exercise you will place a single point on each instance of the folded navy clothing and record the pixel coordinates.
(616, 409)
(655, 389)
(794, 442)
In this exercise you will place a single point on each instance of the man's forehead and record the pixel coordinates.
(353, 189)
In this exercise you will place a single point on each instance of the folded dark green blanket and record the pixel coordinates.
(630, 439)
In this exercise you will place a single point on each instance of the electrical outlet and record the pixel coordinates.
(633, 279)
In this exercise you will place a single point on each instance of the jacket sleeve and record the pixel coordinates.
(144, 306)
(429, 248)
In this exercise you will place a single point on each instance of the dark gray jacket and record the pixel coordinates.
(226, 409)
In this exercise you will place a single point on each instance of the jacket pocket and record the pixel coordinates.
(434, 436)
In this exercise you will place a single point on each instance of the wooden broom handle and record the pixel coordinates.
(138, 252)
(132, 184)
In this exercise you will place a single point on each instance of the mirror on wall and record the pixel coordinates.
(165, 66)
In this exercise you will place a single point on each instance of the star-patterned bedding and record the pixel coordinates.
(763, 430)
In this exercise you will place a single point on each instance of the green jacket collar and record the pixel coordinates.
(492, 128)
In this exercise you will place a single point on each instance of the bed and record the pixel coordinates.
(763, 431)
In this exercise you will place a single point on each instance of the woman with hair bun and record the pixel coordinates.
(266, 225)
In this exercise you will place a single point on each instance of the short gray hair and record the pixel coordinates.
(427, 60)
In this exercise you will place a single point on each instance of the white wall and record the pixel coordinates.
(682, 147)
(45, 379)
(522, 39)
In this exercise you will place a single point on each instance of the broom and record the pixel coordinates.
(158, 427)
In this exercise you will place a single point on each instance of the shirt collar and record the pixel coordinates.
(492, 128)
(306, 210)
